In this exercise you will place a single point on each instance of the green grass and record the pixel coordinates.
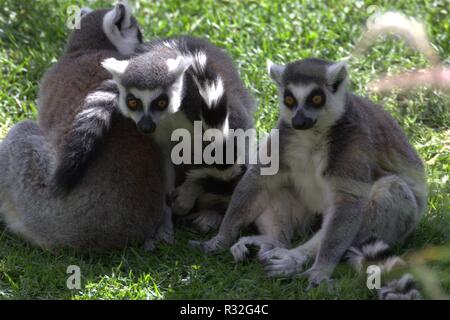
(32, 35)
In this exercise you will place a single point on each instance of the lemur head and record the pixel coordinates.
(312, 92)
(150, 85)
(106, 29)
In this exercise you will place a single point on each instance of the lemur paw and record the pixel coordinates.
(241, 249)
(151, 243)
(283, 263)
(317, 276)
(402, 289)
(211, 246)
(164, 234)
(205, 222)
(183, 200)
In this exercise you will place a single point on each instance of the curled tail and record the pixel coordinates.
(214, 110)
(376, 252)
(86, 136)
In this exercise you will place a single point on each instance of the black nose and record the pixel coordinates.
(146, 125)
(302, 122)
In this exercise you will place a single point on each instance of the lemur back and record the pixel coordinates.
(78, 72)
(199, 60)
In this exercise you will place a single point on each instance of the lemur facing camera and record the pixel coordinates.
(174, 83)
(341, 157)
(119, 201)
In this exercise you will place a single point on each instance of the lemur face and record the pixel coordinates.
(311, 92)
(150, 87)
(146, 107)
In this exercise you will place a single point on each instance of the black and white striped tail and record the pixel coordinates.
(376, 252)
(85, 138)
(214, 110)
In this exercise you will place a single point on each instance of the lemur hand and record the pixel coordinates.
(214, 245)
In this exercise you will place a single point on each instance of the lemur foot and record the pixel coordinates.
(183, 200)
(402, 289)
(206, 221)
(284, 263)
(214, 245)
(317, 276)
(241, 249)
(150, 244)
(162, 237)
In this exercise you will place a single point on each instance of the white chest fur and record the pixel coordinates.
(305, 157)
(165, 128)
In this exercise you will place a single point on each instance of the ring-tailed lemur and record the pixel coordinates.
(176, 82)
(341, 157)
(120, 199)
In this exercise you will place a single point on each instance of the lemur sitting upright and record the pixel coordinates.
(174, 83)
(341, 157)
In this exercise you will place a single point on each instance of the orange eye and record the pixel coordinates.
(133, 103)
(317, 99)
(162, 103)
(289, 101)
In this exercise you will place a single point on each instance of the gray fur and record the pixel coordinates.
(402, 289)
(354, 166)
(86, 136)
(149, 71)
(184, 69)
(204, 220)
(91, 35)
(119, 201)
(306, 71)
(377, 252)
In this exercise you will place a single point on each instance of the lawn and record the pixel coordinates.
(32, 36)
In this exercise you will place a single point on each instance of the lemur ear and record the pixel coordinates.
(178, 65)
(276, 72)
(337, 75)
(121, 29)
(115, 67)
(119, 17)
(84, 11)
(122, 17)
